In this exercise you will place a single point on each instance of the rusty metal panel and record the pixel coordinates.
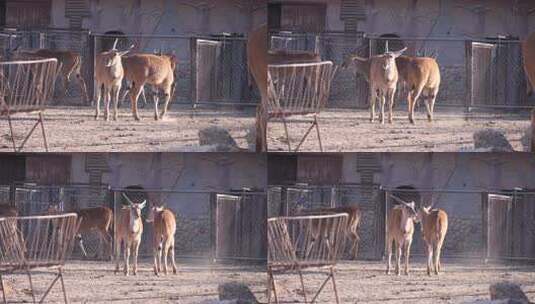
(48, 169)
(29, 13)
(499, 226)
(319, 169)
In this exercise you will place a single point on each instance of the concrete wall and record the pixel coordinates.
(437, 17)
(166, 16)
(181, 172)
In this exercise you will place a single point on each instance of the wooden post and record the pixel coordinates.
(533, 130)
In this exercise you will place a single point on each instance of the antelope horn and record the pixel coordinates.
(115, 44)
(129, 201)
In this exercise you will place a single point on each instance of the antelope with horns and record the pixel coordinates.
(422, 75)
(382, 75)
(400, 229)
(70, 62)
(97, 219)
(155, 70)
(434, 224)
(164, 223)
(109, 75)
(129, 230)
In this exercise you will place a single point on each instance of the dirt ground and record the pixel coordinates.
(351, 130)
(74, 129)
(366, 282)
(95, 282)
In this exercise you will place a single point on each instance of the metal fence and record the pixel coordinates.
(472, 71)
(290, 200)
(211, 70)
(210, 224)
(215, 225)
(483, 225)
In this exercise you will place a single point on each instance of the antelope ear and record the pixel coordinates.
(143, 204)
(412, 205)
(396, 54)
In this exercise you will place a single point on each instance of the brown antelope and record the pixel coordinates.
(70, 61)
(422, 75)
(382, 77)
(400, 229)
(98, 219)
(164, 223)
(434, 227)
(155, 70)
(129, 228)
(528, 54)
(353, 223)
(257, 49)
(109, 75)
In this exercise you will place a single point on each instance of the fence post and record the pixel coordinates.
(468, 73)
(193, 71)
(485, 225)
(213, 226)
(533, 130)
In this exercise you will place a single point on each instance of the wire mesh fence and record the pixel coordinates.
(210, 225)
(472, 71)
(211, 69)
(296, 199)
(482, 225)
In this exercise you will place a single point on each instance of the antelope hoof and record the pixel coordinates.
(174, 271)
(137, 118)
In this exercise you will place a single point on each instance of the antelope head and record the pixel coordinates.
(153, 211)
(113, 56)
(388, 62)
(135, 211)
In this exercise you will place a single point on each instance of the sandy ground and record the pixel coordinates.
(73, 129)
(95, 282)
(366, 282)
(351, 130)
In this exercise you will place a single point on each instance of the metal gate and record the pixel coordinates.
(499, 225)
(488, 65)
(240, 230)
(220, 72)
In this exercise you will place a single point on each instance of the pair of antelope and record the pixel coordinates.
(138, 69)
(420, 74)
(400, 230)
(129, 229)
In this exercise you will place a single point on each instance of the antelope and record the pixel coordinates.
(422, 75)
(129, 230)
(109, 75)
(98, 219)
(400, 229)
(528, 54)
(257, 62)
(164, 222)
(155, 70)
(434, 224)
(353, 223)
(70, 61)
(382, 77)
